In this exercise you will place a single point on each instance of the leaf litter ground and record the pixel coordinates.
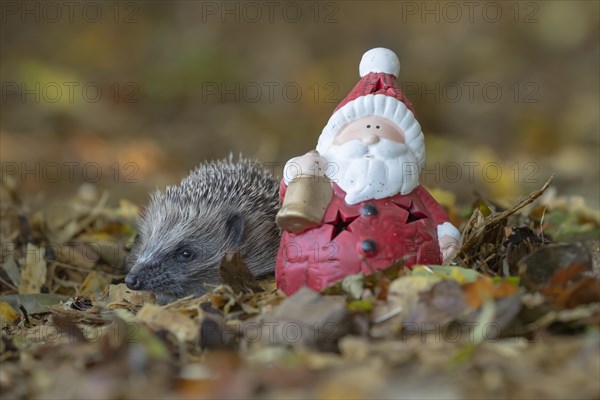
(518, 316)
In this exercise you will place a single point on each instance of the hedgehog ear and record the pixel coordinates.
(234, 224)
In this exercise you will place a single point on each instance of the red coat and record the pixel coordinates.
(363, 237)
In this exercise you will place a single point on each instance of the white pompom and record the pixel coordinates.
(379, 60)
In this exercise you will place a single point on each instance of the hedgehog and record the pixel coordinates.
(185, 231)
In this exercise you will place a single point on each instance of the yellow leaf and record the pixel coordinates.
(8, 313)
(444, 197)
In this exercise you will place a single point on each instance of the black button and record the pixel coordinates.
(368, 246)
(369, 210)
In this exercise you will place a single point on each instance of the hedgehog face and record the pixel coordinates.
(173, 273)
(179, 249)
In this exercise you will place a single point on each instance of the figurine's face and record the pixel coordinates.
(369, 159)
(369, 130)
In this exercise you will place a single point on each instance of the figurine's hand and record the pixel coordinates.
(310, 164)
(448, 247)
(448, 239)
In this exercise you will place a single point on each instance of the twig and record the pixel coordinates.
(387, 315)
(475, 235)
(10, 285)
(73, 267)
(25, 314)
(528, 200)
(542, 224)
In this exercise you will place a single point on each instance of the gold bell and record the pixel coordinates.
(305, 202)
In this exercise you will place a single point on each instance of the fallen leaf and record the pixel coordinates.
(8, 313)
(215, 334)
(92, 315)
(564, 273)
(108, 247)
(483, 289)
(443, 303)
(157, 317)
(354, 285)
(458, 274)
(520, 242)
(33, 303)
(33, 275)
(235, 273)
(403, 296)
(79, 254)
(120, 292)
(12, 271)
(93, 284)
(304, 319)
(585, 291)
(74, 226)
(67, 326)
(539, 267)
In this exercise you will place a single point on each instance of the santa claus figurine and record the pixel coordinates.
(356, 205)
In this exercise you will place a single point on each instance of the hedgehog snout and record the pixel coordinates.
(142, 276)
(133, 281)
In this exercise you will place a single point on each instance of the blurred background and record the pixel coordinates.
(128, 96)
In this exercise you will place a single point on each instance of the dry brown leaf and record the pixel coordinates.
(93, 283)
(476, 293)
(569, 287)
(235, 273)
(158, 317)
(215, 334)
(74, 226)
(93, 315)
(585, 291)
(304, 319)
(120, 292)
(109, 248)
(443, 303)
(403, 295)
(78, 254)
(538, 268)
(479, 291)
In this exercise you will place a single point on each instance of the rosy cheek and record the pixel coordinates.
(392, 135)
(398, 138)
(345, 136)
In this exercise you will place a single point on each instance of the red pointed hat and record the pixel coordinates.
(378, 70)
(377, 93)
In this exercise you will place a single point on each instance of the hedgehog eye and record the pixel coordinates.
(185, 255)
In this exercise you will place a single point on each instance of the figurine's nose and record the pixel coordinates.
(133, 282)
(370, 139)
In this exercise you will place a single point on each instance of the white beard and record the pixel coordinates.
(372, 172)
